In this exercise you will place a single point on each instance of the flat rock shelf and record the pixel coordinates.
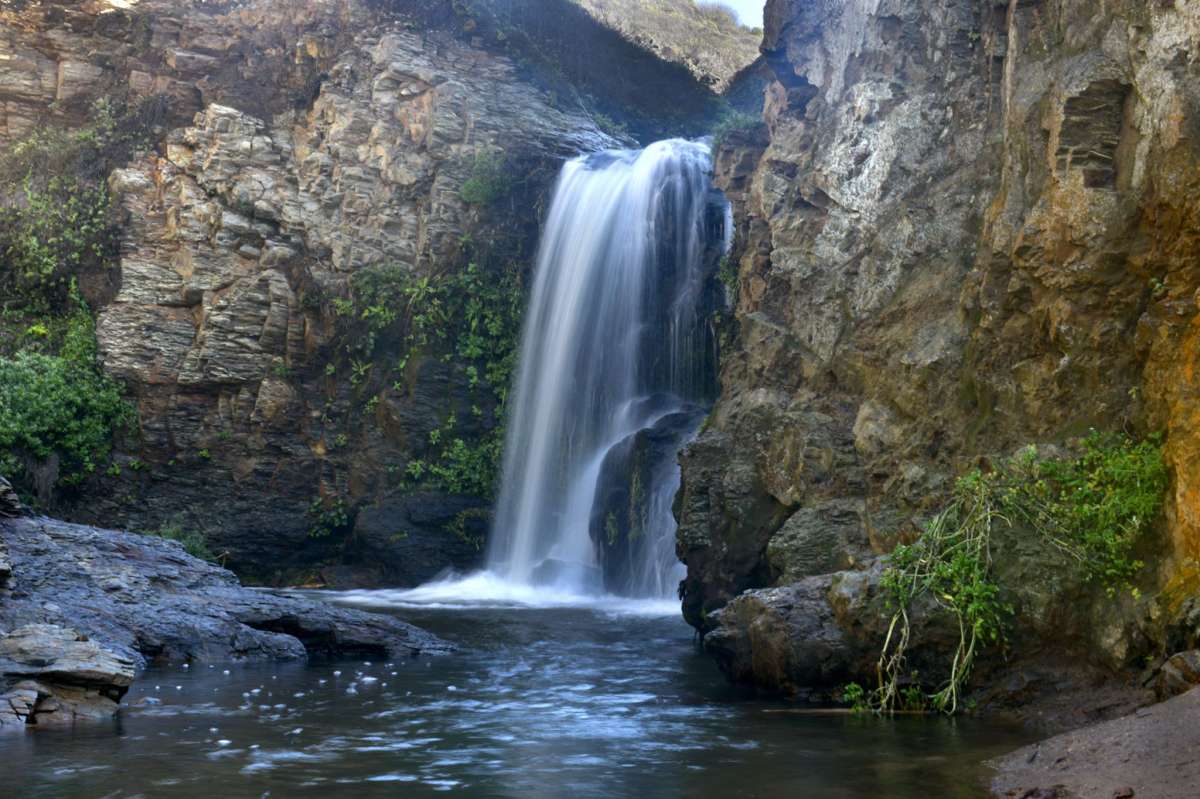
(104, 605)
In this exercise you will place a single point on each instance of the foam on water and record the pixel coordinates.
(616, 338)
(489, 590)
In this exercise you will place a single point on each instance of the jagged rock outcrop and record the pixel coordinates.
(144, 600)
(10, 503)
(962, 228)
(52, 676)
(295, 145)
(708, 41)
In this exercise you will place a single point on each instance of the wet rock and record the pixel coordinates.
(809, 638)
(1180, 673)
(16, 708)
(625, 507)
(787, 638)
(146, 600)
(10, 503)
(1149, 753)
(55, 676)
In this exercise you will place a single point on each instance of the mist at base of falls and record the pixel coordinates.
(616, 372)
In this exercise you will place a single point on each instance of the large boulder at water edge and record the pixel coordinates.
(52, 675)
(146, 600)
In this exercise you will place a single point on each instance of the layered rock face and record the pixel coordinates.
(303, 143)
(709, 42)
(963, 227)
(55, 676)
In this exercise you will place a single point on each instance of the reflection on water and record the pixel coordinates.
(543, 702)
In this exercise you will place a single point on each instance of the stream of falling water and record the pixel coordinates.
(616, 343)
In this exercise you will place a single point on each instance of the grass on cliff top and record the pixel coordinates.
(706, 36)
(1095, 508)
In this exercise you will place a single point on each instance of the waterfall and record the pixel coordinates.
(616, 345)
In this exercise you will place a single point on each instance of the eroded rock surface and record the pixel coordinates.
(52, 676)
(962, 228)
(145, 600)
(296, 144)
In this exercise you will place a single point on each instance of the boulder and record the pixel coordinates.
(144, 599)
(53, 675)
(10, 503)
(1180, 673)
(786, 639)
(809, 638)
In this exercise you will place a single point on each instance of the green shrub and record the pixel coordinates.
(727, 273)
(490, 180)
(193, 542)
(458, 526)
(54, 234)
(1095, 508)
(329, 517)
(472, 315)
(54, 205)
(59, 405)
(855, 696)
(618, 130)
(730, 122)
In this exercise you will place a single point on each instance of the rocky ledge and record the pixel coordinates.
(1150, 754)
(55, 675)
(88, 608)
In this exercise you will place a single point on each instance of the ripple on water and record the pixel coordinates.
(547, 699)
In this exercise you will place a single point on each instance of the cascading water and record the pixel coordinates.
(616, 341)
(617, 368)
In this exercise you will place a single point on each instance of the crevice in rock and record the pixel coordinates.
(318, 642)
(1091, 132)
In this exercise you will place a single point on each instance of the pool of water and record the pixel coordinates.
(606, 701)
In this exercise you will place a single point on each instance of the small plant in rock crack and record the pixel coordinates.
(328, 517)
(855, 696)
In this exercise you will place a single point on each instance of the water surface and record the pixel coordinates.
(606, 701)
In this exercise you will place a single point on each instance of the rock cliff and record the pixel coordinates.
(963, 227)
(291, 149)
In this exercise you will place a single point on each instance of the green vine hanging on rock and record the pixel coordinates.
(471, 317)
(1094, 508)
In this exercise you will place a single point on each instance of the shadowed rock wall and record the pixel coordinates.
(963, 227)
